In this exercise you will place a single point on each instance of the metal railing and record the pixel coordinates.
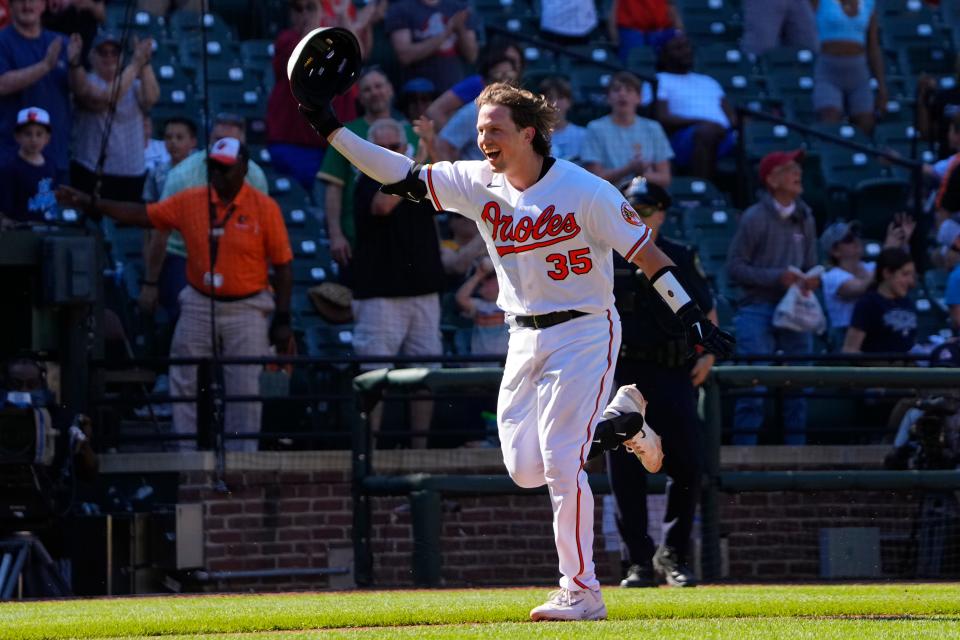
(425, 491)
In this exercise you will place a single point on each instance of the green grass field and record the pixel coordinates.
(741, 613)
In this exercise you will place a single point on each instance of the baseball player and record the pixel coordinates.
(549, 227)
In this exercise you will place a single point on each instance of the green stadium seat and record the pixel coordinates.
(690, 192)
(900, 138)
(841, 130)
(324, 339)
(673, 224)
(788, 60)
(931, 320)
(761, 138)
(187, 24)
(310, 272)
(257, 51)
(705, 29)
(933, 60)
(908, 9)
(710, 222)
(740, 88)
(722, 57)
(899, 32)
(713, 258)
(642, 60)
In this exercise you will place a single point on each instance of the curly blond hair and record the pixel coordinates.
(527, 109)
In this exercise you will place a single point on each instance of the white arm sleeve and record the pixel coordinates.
(383, 165)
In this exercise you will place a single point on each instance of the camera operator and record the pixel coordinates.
(25, 392)
(655, 357)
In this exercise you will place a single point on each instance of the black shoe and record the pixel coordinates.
(639, 576)
(674, 570)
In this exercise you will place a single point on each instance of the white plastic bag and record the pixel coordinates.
(799, 311)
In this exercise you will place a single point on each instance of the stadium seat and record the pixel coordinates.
(713, 257)
(710, 222)
(793, 91)
(642, 60)
(740, 88)
(691, 192)
(931, 320)
(933, 60)
(900, 138)
(762, 137)
(722, 57)
(187, 24)
(840, 130)
(897, 33)
(308, 273)
(705, 29)
(788, 59)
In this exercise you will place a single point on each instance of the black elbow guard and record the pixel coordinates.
(411, 187)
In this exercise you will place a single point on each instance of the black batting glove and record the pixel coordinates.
(703, 335)
(322, 119)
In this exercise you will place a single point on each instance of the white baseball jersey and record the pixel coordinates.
(551, 244)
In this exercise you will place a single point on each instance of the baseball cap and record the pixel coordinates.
(227, 151)
(418, 85)
(105, 36)
(641, 191)
(776, 159)
(837, 232)
(33, 115)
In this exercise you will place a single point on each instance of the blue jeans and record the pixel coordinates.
(757, 335)
(633, 38)
(683, 144)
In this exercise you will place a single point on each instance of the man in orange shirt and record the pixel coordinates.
(248, 237)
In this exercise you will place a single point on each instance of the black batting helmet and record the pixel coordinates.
(325, 63)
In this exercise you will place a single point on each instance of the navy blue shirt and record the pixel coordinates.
(26, 190)
(890, 325)
(51, 92)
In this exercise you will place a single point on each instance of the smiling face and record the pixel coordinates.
(499, 138)
(900, 282)
(376, 94)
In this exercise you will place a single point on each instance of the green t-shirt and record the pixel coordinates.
(192, 172)
(337, 170)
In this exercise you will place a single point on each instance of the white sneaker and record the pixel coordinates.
(565, 604)
(646, 443)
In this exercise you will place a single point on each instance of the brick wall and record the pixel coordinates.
(293, 518)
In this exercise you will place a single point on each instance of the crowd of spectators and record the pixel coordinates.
(75, 109)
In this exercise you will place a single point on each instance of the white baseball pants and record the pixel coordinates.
(556, 383)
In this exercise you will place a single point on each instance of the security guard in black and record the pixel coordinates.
(656, 358)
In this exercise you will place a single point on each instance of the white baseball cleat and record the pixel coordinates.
(646, 443)
(566, 604)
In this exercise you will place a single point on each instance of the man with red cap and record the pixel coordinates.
(247, 237)
(774, 245)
